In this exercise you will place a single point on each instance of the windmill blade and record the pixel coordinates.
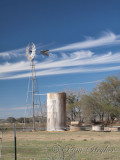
(45, 52)
(30, 51)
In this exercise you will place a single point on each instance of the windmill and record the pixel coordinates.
(33, 98)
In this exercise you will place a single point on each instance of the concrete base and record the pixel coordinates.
(112, 129)
(77, 128)
(97, 128)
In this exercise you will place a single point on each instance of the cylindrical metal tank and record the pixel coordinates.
(56, 111)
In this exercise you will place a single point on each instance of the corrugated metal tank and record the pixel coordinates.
(56, 111)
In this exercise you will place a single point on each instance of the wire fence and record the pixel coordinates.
(43, 145)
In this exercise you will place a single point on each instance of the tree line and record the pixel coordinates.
(102, 104)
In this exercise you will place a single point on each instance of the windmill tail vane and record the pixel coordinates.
(45, 52)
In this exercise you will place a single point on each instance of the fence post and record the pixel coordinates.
(15, 141)
(1, 143)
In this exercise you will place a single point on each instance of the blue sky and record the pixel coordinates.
(84, 41)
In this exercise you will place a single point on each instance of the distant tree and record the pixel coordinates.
(107, 94)
(71, 100)
(11, 119)
(73, 104)
(90, 108)
(41, 114)
(28, 120)
(102, 103)
(20, 120)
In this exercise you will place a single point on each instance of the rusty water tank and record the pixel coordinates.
(56, 111)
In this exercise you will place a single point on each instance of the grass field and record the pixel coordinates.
(43, 145)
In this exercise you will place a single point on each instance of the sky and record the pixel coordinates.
(83, 37)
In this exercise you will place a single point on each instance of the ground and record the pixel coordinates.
(43, 145)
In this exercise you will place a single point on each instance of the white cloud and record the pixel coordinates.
(18, 108)
(12, 108)
(13, 53)
(79, 58)
(75, 70)
(71, 62)
(76, 62)
(17, 53)
(14, 67)
(12, 112)
(66, 84)
(57, 71)
(108, 38)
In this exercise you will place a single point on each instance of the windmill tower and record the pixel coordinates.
(33, 96)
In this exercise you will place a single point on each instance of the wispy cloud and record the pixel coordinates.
(79, 58)
(107, 38)
(18, 108)
(76, 64)
(13, 53)
(79, 61)
(12, 108)
(14, 67)
(17, 53)
(69, 84)
(12, 112)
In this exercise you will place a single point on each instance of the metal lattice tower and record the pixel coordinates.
(33, 99)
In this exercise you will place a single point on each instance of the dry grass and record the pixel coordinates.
(63, 136)
(32, 144)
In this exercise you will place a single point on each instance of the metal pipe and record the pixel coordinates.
(33, 95)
